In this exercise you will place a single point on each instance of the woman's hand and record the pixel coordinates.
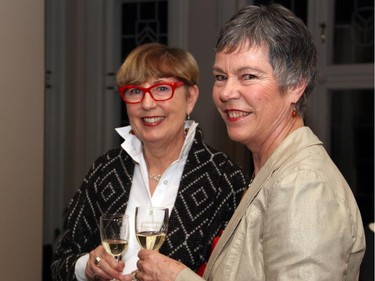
(153, 266)
(102, 266)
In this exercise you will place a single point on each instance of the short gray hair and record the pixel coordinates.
(291, 50)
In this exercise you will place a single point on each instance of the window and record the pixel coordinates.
(142, 22)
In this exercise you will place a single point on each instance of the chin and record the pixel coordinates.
(236, 135)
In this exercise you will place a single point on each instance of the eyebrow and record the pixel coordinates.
(239, 70)
(217, 69)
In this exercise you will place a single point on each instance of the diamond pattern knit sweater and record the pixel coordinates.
(210, 189)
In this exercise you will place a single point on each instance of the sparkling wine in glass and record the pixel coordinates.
(151, 225)
(114, 233)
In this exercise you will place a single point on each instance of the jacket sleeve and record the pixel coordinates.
(317, 227)
(105, 189)
(188, 275)
(81, 232)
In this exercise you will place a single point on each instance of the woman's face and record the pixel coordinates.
(160, 122)
(248, 97)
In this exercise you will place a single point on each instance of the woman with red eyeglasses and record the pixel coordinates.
(162, 162)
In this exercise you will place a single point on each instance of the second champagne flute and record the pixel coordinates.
(151, 226)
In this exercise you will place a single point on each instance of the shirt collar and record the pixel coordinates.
(133, 146)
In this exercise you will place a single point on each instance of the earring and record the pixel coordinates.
(188, 116)
(294, 111)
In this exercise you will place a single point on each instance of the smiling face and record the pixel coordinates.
(162, 122)
(248, 97)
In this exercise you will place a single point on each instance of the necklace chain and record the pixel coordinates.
(158, 177)
(154, 177)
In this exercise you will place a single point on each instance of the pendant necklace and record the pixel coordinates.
(154, 177)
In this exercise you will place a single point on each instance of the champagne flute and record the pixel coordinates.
(151, 225)
(114, 234)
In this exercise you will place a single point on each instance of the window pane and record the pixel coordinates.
(299, 7)
(352, 131)
(353, 32)
(142, 22)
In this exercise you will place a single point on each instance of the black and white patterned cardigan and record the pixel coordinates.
(210, 189)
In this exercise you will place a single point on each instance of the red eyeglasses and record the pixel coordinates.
(159, 92)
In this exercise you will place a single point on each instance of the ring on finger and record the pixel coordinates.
(97, 261)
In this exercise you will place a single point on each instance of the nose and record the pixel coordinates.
(229, 90)
(148, 102)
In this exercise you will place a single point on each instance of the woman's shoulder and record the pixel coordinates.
(112, 154)
(203, 157)
(205, 149)
(115, 157)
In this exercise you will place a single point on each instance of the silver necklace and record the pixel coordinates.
(158, 177)
(154, 177)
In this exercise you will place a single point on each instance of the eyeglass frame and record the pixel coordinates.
(174, 86)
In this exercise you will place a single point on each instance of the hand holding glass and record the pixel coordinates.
(151, 225)
(114, 233)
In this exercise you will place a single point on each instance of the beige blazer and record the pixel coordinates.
(298, 221)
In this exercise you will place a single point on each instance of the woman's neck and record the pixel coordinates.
(262, 152)
(159, 157)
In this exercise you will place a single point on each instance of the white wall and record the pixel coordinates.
(21, 141)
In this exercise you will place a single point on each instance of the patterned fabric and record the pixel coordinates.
(210, 190)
